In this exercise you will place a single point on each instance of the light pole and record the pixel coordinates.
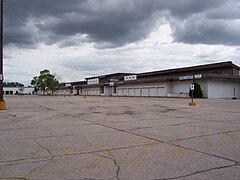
(2, 102)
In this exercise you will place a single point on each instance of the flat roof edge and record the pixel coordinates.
(191, 68)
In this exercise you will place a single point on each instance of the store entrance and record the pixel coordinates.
(108, 90)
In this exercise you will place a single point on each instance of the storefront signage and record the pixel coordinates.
(93, 81)
(130, 77)
(113, 80)
(197, 76)
(185, 77)
(68, 84)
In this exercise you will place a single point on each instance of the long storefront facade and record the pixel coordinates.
(218, 80)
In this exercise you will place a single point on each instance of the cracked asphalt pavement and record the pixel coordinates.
(73, 138)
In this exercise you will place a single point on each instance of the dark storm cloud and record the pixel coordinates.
(207, 31)
(218, 25)
(115, 23)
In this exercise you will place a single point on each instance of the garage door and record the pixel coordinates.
(130, 92)
(125, 92)
(96, 92)
(161, 91)
(120, 92)
(137, 92)
(153, 91)
(144, 91)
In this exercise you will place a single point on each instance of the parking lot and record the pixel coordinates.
(73, 137)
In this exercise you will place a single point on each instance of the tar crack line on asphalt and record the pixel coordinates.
(11, 178)
(24, 159)
(122, 130)
(212, 134)
(197, 172)
(164, 142)
(194, 150)
(52, 155)
(183, 117)
(116, 164)
(112, 158)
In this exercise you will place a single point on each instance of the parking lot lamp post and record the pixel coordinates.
(2, 102)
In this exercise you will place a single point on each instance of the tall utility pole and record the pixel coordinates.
(2, 102)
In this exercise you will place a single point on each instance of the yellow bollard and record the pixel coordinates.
(3, 105)
(192, 104)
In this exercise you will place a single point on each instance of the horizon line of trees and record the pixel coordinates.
(12, 84)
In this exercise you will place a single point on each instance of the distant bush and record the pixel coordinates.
(197, 93)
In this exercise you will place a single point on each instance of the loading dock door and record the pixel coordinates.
(161, 91)
(125, 92)
(120, 92)
(144, 91)
(130, 92)
(137, 92)
(153, 91)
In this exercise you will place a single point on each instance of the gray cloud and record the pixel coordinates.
(198, 29)
(115, 23)
(219, 25)
(91, 68)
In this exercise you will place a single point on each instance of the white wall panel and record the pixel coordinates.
(137, 92)
(182, 87)
(125, 92)
(144, 91)
(91, 91)
(130, 92)
(161, 91)
(119, 91)
(223, 89)
(153, 91)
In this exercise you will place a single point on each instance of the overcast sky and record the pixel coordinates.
(82, 38)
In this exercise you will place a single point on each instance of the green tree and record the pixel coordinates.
(197, 92)
(52, 83)
(34, 82)
(45, 81)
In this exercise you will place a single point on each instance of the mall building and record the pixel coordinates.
(218, 80)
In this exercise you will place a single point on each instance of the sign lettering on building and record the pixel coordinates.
(68, 84)
(130, 77)
(113, 80)
(93, 81)
(196, 76)
(185, 78)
